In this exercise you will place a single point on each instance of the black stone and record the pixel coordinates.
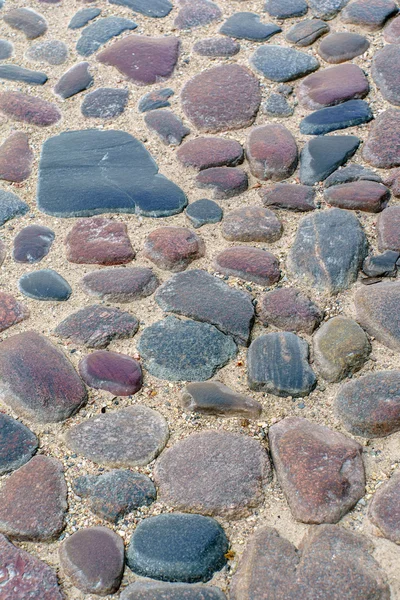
(82, 17)
(277, 106)
(11, 206)
(6, 49)
(105, 103)
(150, 590)
(341, 116)
(32, 243)
(204, 211)
(119, 176)
(155, 8)
(279, 63)
(177, 547)
(44, 285)
(17, 444)
(350, 174)
(306, 32)
(381, 265)
(286, 9)
(99, 32)
(247, 26)
(16, 73)
(323, 155)
(153, 100)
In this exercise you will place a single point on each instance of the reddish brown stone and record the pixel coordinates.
(386, 72)
(196, 13)
(33, 500)
(250, 264)
(224, 181)
(384, 510)
(382, 148)
(15, 158)
(289, 309)
(173, 248)
(393, 181)
(370, 14)
(143, 60)
(251, 224)
(377, 309)
(216, 47)
(31, 23)
(368, 196)
(391, 33)
(332, 86)
(290, 196)
(30, 109)
(388, 229)
(206, 152)
(116, 373)
(99, 241)
(321, 471)
(120, 284)
(225, 97)
(272, 152)
(11, 311)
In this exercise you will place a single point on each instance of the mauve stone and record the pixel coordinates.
(339, 47)
(351, 173)
(324, 154)
(16, 73)
(223, 98)
(289, 309)
(99, 241)
(391, 33)
(206, 152)
(281, 63)
(196, 13)
(143, 60)
(286, 9)
(251, 224)
(130, 437)
(82, 17)
(384, 510)
(11, 311)
(121, 284)
(105, 103)
(393, 181)
(46, 390)
(149, 590)
(17, 444)
(377, 312)
(16, 158)
(31, 23)
(370, 14)
(250, 264)
(33, 500)
(75, 80)
(156, 99)
(385, 72)
(382, 148)
(169, 128)
(116, 373)
(204, 211)
(326, 9)
(46, 285)
(52, 52)
(98, 33)
(306, 32)
(215, 398)
(6, 49)
(332, 86)
(299, 198)
(173, 248)
(228, 474)
(225, 182)
(388, 229)
(32, 244)
(29, 109)
(10, 206)
(320, 471)
(155, 9)
(368, 196)
(272, 152)
(216, 47)
(247, 26)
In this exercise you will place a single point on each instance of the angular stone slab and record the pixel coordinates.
(77, 79)
(17, 444)
(29, 109)
(341, 116)
(323, 155)
(156, 99)
(247, 26)
(99, 32)
(368, 196)
(17, 73)
(16, 158)
(381, 148)
(170, 591)
(332, 86)
(31, 23)
(45, 285)
(384, 509)
(377, 310)
(32, 244)
(279, 63)
(113, 372)
(289, 309)
(11, 206)
(215, 398)
(272, 152)
(99, 241)
(105, 103)
(306, 32)
(155, 9)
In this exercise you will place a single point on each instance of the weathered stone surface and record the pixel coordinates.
(339, 47)
(278, 364)
(17, 73)
(156, 9)
(392, 180)
(387, 226)
(215, 398)
(46, 390)
(369, 14)
(156, 99)
(116, 373)
(32, 243)
(10, 207)
(33, 500)
(143, 60)
(250, 264)
(323, 155)
(216, 47)
(225, 182)
(377, 309)
(351, 173)
(384, 510)
(299, 198)
(6, 49)
(173, 248)
(203, 211)
(276, 105)
(391, 33)
(3, 251)
(200, 296)
(29, 109)
(286, 9)
(368, 196)
(46, 285)
(82, 17)
(382, 148)
(289, 309)
(149, 590)
(184, 350)
(272, 152)
(306, 32)
(341, 116)
(99, 241)
(31, 23)
(105, 103)
(228, 474)
(130, 437)
(206, 152)
(370, 406)
(222, 98)
(16, 158)
(169, 128)
(332, 86)
(280, 63)
(326, 9)
(52, 52)
(77, 79)
(17, 444)
(99, 32)
(386, 72)
(381, 265)
(11, 311)
(121, 284)
(251, 224)
(177, 547)
(247, 26)
(196, 13)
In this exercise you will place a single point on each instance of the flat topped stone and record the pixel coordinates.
(99, 32)
(113, 372)
(173, 248)
(341, 116)
(16, 157)
(130, 437)
(204, 211)
(156, 9)
(369, 14)
(99, 241)
(386, 72)
(82, 17)
(200, 296)
(31, 23)
(332, 86)
(150, 590)
(384, 509)
(17, 444)
(251, 224)
(286, 9)
(215, 398)
(184, 350)
(289, 309)
(323, 155)
(280, 63)
(46, 285)
(381, 148)
(272, 152)
(17, 73)
(326, 9)
(156, 99)
(368, 196)
(11, 311)
(46, 390)
(306, 32)
(32, 244)
(51, 52)
(196, 13)
(250, 264)
(299, 198)
(247, 26)
(105, 103)
(11, 206)
(216, 47)
(119, 176)
(29, 109)
(377, 309)
(75, 80)
(339, 47)
(206, 152)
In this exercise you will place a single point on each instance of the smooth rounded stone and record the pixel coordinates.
(25, 576)
(392, 180)
(119, 176)
(249, 264)
(11, 206)
(196, 13)
(82, 17)
(52, 52)
(388, 229)
(369, 14)
(32, 244)
(326, 9)
(113, 372)
(277, 106)
(29, 109)
(277, 363)
(223, 98)
(228, 475)
(280, 63)
(299, 198)
(115, 494)
(377, 310)
(46, 285)
(384, 509)
(272, 566)
(16, 158)
(11, 311)
(93, 559)
(105, 103)
(173, 248)
(31, 23)
(289, 309)
(6, 49)
(169, 128)
(386, 72)
(323, 155)
(206, 152)
(391, 33)
(202, 212)
(370, 405)
(16, 73)
(121, 284)
(17, 444)
(247, 26)
(286, 9)
(215, 398)
(381, 265)
(98, 33)
(306, 32)
(198, 295)
(339, 47)
(77, 79)
(216, 47)
(225, 182)
(184, 350)
(332, 86)
(99, 241)
(33, 500)
(341, 348)
(149, 590)
(155, 9)
(341, 116)
(130, 437)
(381, 148)
(251, 224)
(272, 152)
(351, 173)
(143, 60)
(156, 99)
(368, 196)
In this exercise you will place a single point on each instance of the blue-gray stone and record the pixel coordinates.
(82, 17)
(155, 8)
(204, 211)
(6, 49)
(326, 9)
(45, 284)
(279, 63)
(11, 206)
(341, 116)
(286, 9)
(306, 32)
(277, 106)
(323, 155)
(16, 73)
(151, 590)
(99, 32)
(119, 176)
(105, 103)
(157, 99)
(185, 350)
(17, 444)
(247, 26)
(177, 547)
(350, 174)
(381, 265)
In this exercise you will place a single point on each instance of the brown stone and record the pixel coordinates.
(393, 181)
(120, 284)
(11, 311)
(369, 14)
(297, 197)
(339, 47)
(272, 152)
(196, 13)
(16, 158)
(251, 224)
(377, 309)
(388, 229)
(290, 310)
(215, 398)
(225, 182)
(250, 264)
(206, 152)
(332, 86)
(391, 33)
(173, 248)
(386, 72)
(368, 196)
(29, 109)
(382, 148)
(116, 373)
(384, 510)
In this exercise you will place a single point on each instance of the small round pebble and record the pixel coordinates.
(45, 284)
(202, 212)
